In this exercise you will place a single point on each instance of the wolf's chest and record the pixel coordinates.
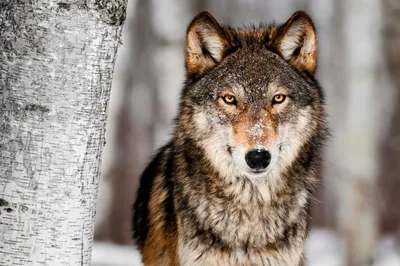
(242, 238)
(248, 221)
(212, 256)
(239, 225)
(243, 232)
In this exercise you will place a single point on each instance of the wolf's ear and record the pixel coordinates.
(297, 42)
(207, 43)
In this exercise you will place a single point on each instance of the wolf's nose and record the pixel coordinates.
(258, 159)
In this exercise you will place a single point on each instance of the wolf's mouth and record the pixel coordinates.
(258, 171)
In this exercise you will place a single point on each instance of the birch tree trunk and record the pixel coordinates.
(56, 64)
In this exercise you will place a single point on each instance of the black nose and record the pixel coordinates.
(258, 159)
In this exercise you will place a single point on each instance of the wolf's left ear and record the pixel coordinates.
(297, 42)
(207, 43)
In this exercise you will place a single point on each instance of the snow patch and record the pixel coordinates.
(108, 254)
(323, 248)
(257, 130)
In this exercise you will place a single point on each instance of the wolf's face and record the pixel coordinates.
(253, 101)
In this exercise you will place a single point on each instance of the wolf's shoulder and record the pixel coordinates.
(149, 182)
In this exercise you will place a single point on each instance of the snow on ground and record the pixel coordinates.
(324, 248)
(388, 253)
(107, 254)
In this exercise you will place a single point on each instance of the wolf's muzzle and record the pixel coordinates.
(258, 159)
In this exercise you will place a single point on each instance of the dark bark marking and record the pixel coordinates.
(27, 163)
(112, 12)
(64, 5)
(36, 107)
(3, 203)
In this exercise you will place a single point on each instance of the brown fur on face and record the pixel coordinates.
(260, 129)
(250, 132)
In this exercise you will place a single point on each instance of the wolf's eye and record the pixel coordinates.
(279, 98)
(229, 99)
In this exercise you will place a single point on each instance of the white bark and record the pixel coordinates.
(56, 65)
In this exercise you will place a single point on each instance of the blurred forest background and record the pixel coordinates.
(356, 215)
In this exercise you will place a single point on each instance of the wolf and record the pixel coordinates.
(234, 184)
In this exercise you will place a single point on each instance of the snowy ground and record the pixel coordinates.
(324, 248)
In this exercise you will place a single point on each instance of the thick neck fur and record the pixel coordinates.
(237, 212)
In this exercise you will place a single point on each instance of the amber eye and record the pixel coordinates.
(279, 98)
(229, 99)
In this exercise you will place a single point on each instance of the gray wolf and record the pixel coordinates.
(234, 184)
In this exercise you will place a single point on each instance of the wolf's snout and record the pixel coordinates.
(258, 159)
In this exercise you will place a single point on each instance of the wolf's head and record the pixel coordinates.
(250, 101)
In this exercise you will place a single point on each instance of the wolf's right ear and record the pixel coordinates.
(207, 43)
(297, 42)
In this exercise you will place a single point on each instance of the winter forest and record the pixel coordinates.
(356, 213)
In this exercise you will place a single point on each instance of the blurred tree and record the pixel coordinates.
(359, 135)
(56, 65)
(390, 172)
(133, 124)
